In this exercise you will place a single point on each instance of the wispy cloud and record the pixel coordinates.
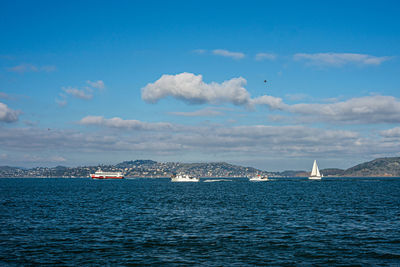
(7, 114)
(391, 133)
(249, 140)
(339, 59)
(85, 92)
(78, 93)
(265, 56)
(26, 67)
(63, 101)
(96, 84)
(123, 124)
(40, 159)
(361, 110)
(200, 51)
(206, 112)
(226, 53)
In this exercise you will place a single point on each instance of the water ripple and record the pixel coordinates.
(237, 223)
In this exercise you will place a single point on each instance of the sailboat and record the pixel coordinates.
(315, 175)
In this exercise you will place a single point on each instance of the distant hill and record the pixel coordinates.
(377, 167)
(133, 163)
(332, 172)
(149, 168)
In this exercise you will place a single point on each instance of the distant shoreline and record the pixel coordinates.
(205, 177)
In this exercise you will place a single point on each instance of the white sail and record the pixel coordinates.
(315, 170)
(315, 174)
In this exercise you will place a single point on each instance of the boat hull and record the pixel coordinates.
(258, 180)
(185, 180)
(314, 178)
(107, 177)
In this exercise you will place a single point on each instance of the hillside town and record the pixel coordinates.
(137, 168)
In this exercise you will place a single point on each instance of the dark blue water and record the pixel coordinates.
(156, 222)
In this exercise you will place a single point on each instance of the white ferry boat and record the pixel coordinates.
(258, 178)
(107, 175)
(184, 178)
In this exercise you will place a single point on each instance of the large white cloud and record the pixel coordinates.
(192, 89)
(339, 59)
(7, 114)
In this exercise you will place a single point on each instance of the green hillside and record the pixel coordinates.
(376, 167)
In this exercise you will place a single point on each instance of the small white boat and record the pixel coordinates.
(184, 178)
(258, 178)
(315, 174)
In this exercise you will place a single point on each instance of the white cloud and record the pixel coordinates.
(123, 124)
(265, 56)
(85, 92)
(260, 140)
(186, 143)
(7, 114)
(339, 59)
(362, 110)
(206, 112)
(270, 101)
(40, 159)
(96, 84)
(226, 53)
(82, 94)
(391, 133)
(26, 67)
(61, 102)
(48, 68)
(191, 88)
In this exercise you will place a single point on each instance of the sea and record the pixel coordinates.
(225, 222)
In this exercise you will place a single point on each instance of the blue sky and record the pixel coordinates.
(102, 82)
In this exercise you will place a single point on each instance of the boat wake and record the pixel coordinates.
(217, 180)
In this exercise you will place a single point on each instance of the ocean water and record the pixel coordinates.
(234, 223)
